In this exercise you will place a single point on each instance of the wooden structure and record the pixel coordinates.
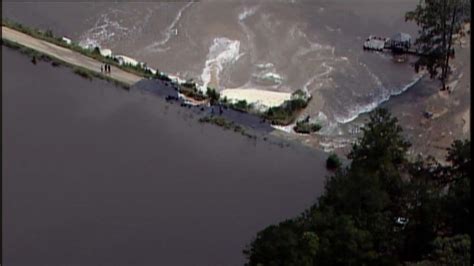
(375, 43)
(398, 44)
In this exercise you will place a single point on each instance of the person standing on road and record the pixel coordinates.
(101, 68)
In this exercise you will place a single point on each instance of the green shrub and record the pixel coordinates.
(49, 34)
(298, 94)
(160, 76)
(287, 112)
(306, 127)
(241, 105)
(96, 51)
(213, 95)
(190, 90)
(333, 162)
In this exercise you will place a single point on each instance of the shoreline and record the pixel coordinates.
(374, 105)
(249, 125)
(46, 42)
(249, 121)
(257, 101)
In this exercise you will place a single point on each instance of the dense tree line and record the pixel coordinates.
(382, 209)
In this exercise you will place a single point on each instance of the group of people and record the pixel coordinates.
(105, 68)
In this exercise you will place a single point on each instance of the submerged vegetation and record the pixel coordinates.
(226, 124)
(82, 73)
(306, 127)
(382, 209)
(89, 74)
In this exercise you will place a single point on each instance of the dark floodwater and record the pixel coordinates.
(254, 123)
(96, 175)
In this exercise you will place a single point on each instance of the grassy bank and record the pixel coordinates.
(83, 72)
(48, 36)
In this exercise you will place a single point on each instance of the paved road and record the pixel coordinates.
(66, 55)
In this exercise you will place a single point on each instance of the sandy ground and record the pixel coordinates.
(263, 97)
(66, 55)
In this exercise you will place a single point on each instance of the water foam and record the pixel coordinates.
(269, 76)
(335, 143)
(247, 13)
(287, 129)
(264, 66)
(313, 46)
(222, 52)
(169, 32)
(383, 97)
(325, 73)
(103, 30)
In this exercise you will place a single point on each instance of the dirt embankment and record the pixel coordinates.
(66, 55)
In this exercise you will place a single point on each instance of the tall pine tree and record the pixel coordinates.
(438, 20)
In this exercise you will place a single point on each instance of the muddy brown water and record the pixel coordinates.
(274, 45)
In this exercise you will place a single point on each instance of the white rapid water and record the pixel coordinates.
(247, 13)
(381, 97)
(267, 73)
(222, 52)
(104, 29)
